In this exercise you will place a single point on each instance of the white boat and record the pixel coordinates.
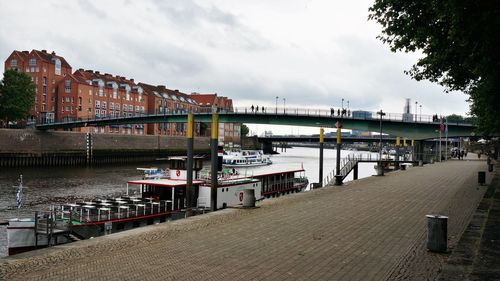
(245, 158)
(160, 200)
(153, 173)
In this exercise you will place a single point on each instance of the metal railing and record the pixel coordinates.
(279, 111)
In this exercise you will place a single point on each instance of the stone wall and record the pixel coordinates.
(32, 147)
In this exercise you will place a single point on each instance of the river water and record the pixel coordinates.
(53, 185)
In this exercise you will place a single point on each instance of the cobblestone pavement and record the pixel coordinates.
(370, 229)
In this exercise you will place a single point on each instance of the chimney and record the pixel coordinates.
(80, 69)
(53, 53)
(44, 51)
(89, 70)
(97, 72)
(176, 90)
(131, 79)
(107, 74)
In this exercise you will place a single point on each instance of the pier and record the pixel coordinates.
(373, 228)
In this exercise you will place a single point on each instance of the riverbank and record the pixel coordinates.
(372, 228)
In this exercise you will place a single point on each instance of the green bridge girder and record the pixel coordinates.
(410, 130)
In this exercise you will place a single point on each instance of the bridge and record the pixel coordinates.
(419, 128)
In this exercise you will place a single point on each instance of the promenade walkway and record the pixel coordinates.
(370, 229)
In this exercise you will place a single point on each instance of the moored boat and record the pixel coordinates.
(245, 158)
(160, 200)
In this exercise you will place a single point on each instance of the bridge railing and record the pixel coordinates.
(288, 111)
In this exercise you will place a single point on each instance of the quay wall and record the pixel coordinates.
(30, 147)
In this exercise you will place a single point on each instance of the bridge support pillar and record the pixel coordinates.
(355, 172)
(267, 147)
(189, 168)
(321, 141)
(214, 142)
(338, 176)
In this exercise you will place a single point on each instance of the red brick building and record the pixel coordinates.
(46, 70)
(162, 100)
(88, 94)
(229, 133)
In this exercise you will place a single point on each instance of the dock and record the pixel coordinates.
(370, 229)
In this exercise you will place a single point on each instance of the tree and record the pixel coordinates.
(244, 130)
(17, 96)
(459, 42)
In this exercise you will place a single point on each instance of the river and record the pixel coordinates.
(53, 185)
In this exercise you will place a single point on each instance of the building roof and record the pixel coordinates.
(91, 75)
(49, 57)
(204, 99)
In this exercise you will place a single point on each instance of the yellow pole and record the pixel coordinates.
(398, 141)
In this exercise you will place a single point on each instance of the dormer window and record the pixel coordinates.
(57, 63)
(13, 63)
(32, 62)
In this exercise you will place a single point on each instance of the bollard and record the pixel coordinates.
(420, 163)
(490, 168)
(437, 233)
(248, 198)
(380, 169)
(481, 177)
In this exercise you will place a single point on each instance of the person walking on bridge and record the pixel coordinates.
(252, 108)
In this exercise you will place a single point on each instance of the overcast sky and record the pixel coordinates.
(313, 53)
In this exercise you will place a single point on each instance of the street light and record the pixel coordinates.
(347, 105)
(416, 102)
(381, 113)
(276, 105)
(342, 103)
(284, 100)
(420, 112)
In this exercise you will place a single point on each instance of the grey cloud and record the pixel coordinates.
(187, 12)
(88, 7)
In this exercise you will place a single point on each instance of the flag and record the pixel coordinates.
(19, 195)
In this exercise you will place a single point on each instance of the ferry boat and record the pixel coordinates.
(161, 200)
(245, 158)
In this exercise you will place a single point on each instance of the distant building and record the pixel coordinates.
(229, 133)
(162, 100)
(46, 70)
(361, 114)
(407, 115)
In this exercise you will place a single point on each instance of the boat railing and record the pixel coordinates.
(95, 213)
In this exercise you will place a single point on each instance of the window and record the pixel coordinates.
(117, 107)
(136, 108)
(80, 101)
(13, 63)
(36, 80)
(67, 86)
(67, 99)
(90, 92)
(58, 67)
(32, 69)
(97, 105)
(101, 91)
(128, 96)
(44, 81)
(124, 108)
(103, 105)
(67, 108)
(27, 69)
(37, 69)
(32, 61)
(111, 106)
(112, 114)
(115, 93)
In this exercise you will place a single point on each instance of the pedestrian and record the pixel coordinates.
(348, 113)
(332, 111)
(256, 109)
(263, 110)
(462, 153)
(338, 112)
(252, 107)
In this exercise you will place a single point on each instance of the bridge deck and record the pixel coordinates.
(373, 229)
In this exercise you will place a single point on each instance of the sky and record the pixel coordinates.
(307, 53)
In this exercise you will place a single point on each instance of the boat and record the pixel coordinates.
(160, 200)
(245, 158)
(153, 173)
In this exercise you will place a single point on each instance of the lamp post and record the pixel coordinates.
(347, 105)
(276, 110)
(416, 102)
(284, 101)
(420, 112)
(342, 103)
(380, 169)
